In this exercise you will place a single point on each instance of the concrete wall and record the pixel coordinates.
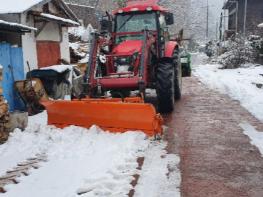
(51, 32)
(29, 44)
(64, 45)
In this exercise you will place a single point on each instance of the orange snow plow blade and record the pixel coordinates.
(109, 114)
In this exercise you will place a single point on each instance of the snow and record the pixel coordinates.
(242, 84)
(14, 6)
(17, 25)
(155, 165)
(256, 137)
(260, 25)
(59, 68)
(90, 162)
(78, 159)
(86, 6)
(50, 16)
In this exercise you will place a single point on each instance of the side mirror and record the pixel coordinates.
(169, 18)
(106, 25)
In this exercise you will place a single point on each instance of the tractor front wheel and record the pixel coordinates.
(165, 86)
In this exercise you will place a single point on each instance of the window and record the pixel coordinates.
(136, 22)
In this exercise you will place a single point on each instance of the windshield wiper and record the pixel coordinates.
(124, 23)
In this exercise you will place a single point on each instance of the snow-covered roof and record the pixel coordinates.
(17, 6)
(80, 5)
(16, 26)
(260, 25)
(57, 18)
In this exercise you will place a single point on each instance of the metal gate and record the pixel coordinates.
(11, 58)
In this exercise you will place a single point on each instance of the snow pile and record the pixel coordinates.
(59, 68)
(88, 163)
(256, 138)
(160, 174)
(84, 34)
(80, 160)
(242, 84)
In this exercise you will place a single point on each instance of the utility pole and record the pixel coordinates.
(217, 29)
(207, 20)
(245, 19)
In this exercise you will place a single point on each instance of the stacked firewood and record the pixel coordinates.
(4, 120)
(4, 114)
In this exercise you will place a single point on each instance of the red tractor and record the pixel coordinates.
(135, 53)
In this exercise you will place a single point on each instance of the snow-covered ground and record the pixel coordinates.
(256, 137)
(243, 84)
(88, 161)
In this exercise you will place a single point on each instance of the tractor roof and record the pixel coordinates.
(140, 6)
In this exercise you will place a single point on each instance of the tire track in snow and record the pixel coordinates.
(22, 169)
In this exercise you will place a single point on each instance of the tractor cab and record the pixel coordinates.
(128, 28)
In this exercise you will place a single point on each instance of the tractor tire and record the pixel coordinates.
(165, 86)
(178, 75)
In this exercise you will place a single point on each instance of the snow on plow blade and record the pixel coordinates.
(109, 114)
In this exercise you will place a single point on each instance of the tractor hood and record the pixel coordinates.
(128, 47)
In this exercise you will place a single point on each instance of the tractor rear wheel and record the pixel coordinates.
(165, 86)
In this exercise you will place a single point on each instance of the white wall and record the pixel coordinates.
(51, 32)
(29, 45)
(64, 45)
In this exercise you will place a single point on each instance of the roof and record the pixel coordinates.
(59, 19)
(17, 6)
(80, 5)
(134, 7)
(15, 27)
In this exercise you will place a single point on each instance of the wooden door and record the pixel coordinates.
(48, 53)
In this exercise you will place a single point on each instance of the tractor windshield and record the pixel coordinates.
(134, 23)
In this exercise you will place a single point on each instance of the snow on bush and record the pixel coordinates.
(81, 33)
(238, 52)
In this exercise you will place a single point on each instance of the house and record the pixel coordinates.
(33, 33)
(244, 16)
(48, 44)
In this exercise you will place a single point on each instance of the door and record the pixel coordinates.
(48, 53)
(11, 59)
